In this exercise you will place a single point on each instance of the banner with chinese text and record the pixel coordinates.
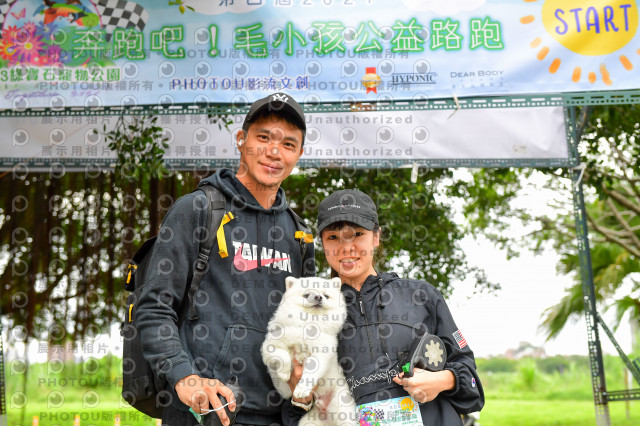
(121, 52)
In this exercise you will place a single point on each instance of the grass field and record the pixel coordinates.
(552, 391)
(514, 412)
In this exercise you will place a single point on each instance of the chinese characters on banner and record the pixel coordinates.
(143, 52)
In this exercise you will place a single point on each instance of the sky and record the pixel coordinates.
(530, 284)
(495, 323)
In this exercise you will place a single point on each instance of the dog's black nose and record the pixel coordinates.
(318, 298)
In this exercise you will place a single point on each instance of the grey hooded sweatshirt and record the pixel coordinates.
(238, 294)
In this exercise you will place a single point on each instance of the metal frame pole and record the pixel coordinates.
(3, 404)
(590, 313)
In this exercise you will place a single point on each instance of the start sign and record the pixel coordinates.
(591, 27)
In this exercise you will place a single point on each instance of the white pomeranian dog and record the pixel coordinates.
(305, 328)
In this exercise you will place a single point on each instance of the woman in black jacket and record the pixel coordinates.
(386, 314)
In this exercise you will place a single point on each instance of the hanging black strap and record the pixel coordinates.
(216, 206)
(301, 226)
(215, 213)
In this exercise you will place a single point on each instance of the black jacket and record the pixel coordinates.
(383, 319)
(238, 294)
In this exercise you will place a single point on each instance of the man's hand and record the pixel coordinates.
(197, 393)
(425, 385)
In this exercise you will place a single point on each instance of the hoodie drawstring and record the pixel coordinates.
(383, 339)
(273, 240)
(258, 254)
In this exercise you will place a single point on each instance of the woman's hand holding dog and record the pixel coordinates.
(198, 392)
(425, 385)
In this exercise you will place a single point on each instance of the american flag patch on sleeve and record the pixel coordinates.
(459, 339)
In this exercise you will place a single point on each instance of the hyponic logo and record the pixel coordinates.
(246, 257)
(407, 78)
(279, 97)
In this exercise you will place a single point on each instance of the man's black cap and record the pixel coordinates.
(274, 103)
(347, 205)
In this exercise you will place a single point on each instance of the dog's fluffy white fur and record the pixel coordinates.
(305, 328)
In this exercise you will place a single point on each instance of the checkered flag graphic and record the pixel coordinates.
(5, 5)
(121, 14)
(114, 14)
(379, 413)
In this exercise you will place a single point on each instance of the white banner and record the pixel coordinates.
(147, 52)
(365, 138)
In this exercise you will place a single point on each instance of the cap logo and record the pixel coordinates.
(342, 206)
(279, 97)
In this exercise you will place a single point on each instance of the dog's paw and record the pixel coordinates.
(279, 368)
(302, 392)
(283, 376)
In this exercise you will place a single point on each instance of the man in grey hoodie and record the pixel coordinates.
(242, 286)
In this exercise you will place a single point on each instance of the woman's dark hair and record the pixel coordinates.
(338, 226)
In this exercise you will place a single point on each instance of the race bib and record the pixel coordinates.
(390, 412)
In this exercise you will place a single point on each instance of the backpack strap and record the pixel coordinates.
(215, 221)
(303, 235)
(217, 217)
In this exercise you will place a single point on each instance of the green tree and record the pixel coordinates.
(420, 237)
(608, 147)
(66, 237)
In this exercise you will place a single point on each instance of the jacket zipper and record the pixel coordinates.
(366, 321)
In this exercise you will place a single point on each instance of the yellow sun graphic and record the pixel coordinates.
(406, 404)
(588, 28)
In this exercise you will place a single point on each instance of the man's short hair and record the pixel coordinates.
(267, 115)
(277, 105)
